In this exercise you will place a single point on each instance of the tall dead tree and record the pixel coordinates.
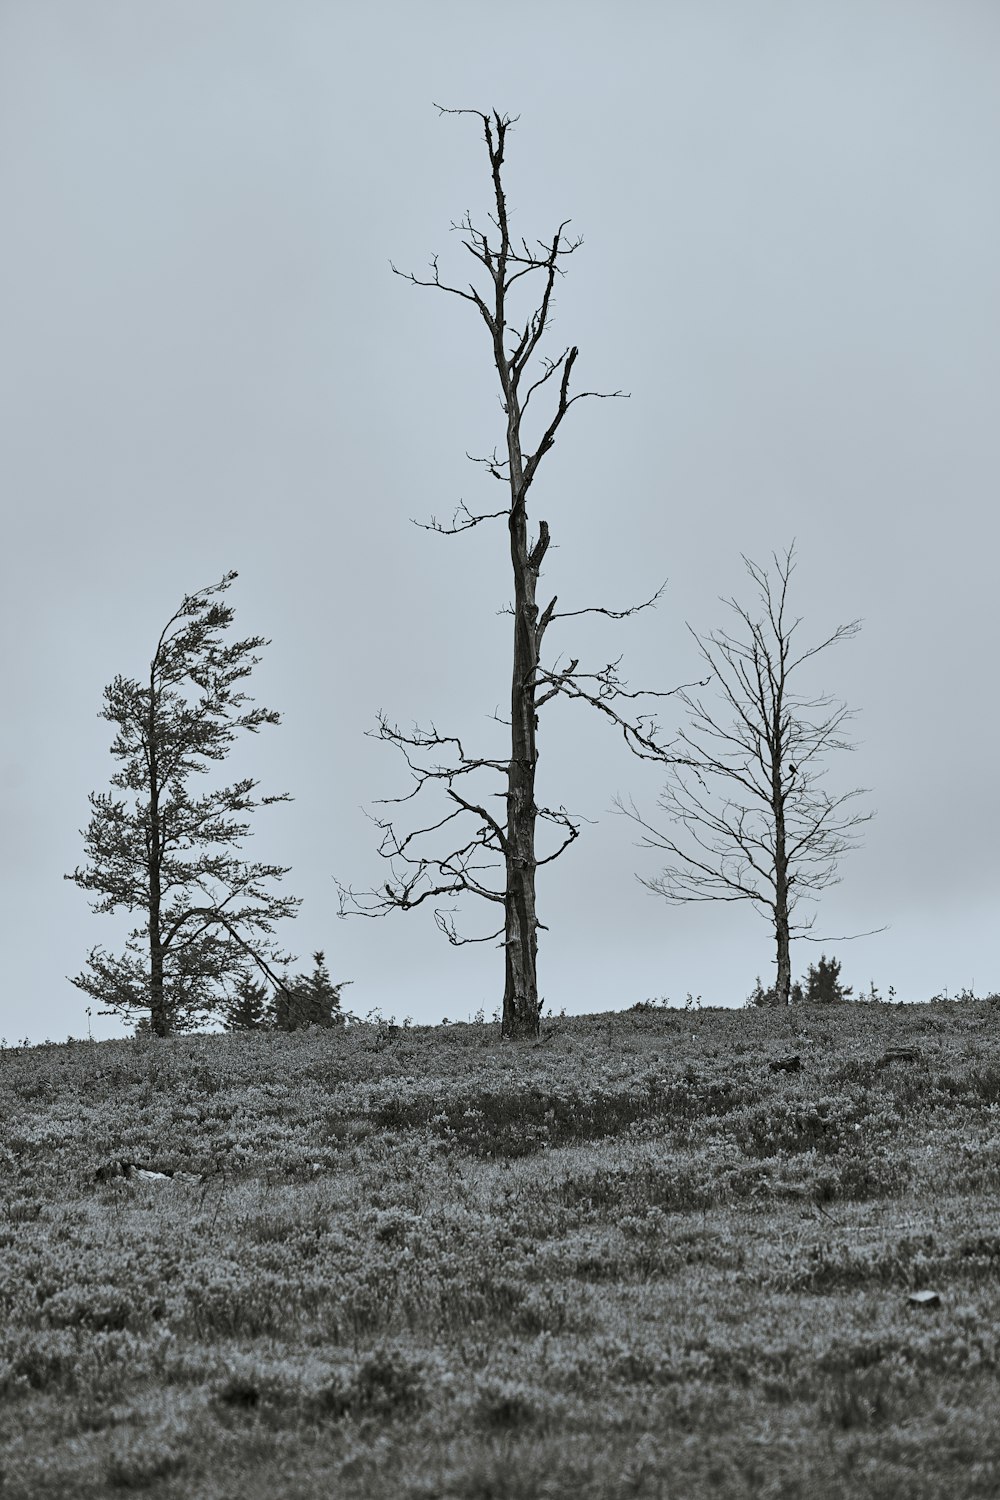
(758, 826)
(505, 843)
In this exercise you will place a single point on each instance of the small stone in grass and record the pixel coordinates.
(131, 1170)
(924, 1299)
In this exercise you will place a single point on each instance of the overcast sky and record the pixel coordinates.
(791, 261)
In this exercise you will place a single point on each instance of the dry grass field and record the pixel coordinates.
(648, 1255)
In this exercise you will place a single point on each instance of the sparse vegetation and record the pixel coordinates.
(666, 1251)
(821, 986)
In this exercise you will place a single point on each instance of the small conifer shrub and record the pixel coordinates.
(822, 984)
(310, 1000)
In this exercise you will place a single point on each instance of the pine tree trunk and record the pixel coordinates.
(158, 1019)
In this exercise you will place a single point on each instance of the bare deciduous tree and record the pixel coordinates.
(759, 827)
(495, 855)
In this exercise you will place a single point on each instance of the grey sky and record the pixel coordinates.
(791, 250)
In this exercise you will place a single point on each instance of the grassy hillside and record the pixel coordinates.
(650, 1255)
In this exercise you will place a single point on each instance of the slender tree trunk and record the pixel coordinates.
(783, 986)
(520, 1000)
(784, 983)
(158, 1019)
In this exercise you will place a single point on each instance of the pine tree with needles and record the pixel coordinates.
(250, 1007)
(823, 986)
(208, 915)
(310, 1000)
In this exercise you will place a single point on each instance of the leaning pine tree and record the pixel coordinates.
(208, 916)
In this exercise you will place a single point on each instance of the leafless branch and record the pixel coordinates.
(572, 832)
(494, 466)
(445, 924)
(605, 688)
(848, 937)
(423, 740)
(471, 519)
(612, 614)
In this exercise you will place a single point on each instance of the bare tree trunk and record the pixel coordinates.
(521, 1008)
(783, 984)
(783, 988)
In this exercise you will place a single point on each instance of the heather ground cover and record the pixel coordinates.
(651, 1254)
